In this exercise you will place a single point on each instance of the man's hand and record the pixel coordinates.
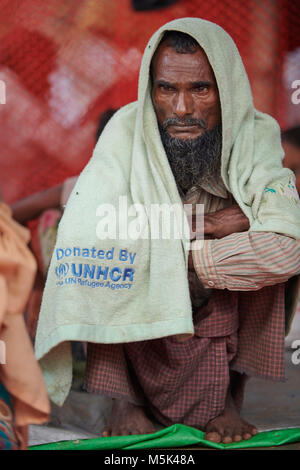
(224, 222)
(220, 224)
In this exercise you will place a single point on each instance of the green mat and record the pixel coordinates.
(174, 436)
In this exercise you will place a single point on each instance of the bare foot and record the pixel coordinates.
(127, 419)
(229, 426)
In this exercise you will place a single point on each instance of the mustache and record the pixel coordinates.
(184, 122)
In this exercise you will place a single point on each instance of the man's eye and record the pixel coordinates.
(166, 87)
(202, 88)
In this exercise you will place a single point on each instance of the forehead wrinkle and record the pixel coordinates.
(167, 67)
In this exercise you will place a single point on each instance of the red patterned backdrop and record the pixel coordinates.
(63, 62)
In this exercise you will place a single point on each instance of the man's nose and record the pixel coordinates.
(184, 104)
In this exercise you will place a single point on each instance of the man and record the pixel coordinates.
(193, 127)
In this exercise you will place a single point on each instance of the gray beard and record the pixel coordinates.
(193, 161)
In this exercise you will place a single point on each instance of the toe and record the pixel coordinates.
(213, 436)
(106, 433)
(227, 439)
(237, 437)
(134, 431)
(249, 431)
(118, 430)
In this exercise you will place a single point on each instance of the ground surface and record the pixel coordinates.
(267, 405)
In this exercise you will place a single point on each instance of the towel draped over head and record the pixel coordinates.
(124, 288)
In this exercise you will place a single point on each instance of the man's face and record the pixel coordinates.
(184, 93)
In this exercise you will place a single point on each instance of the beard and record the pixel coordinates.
(193, 161)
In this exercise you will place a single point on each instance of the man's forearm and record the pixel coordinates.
(246, 261)
(32, 206)
(223, 222)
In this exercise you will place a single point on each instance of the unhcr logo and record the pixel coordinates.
(62, 270)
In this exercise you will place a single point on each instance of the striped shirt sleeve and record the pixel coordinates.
(246, 260)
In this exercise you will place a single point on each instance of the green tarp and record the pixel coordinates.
(176, 436)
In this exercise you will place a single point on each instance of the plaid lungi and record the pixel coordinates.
(187, 382)
(180, 382)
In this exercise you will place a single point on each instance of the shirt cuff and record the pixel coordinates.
(204, 264)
